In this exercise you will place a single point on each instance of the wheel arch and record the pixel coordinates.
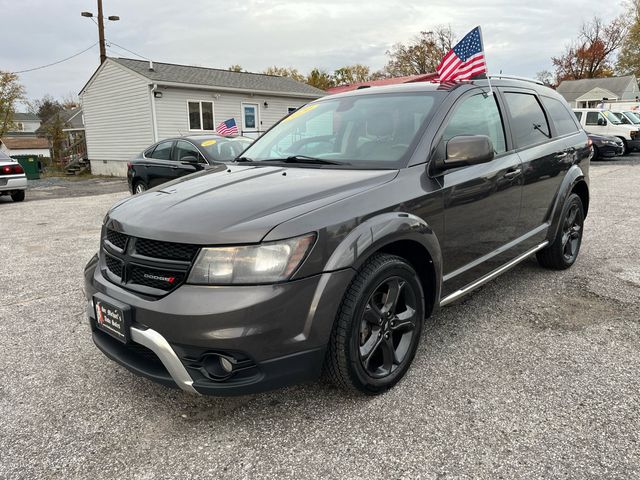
(397, 233)
(575, 181)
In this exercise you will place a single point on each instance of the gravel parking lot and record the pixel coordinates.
(536, 375)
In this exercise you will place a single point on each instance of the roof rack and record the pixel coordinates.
(514, 77)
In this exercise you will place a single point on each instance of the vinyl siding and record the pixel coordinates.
(117, 115)
(172, 117)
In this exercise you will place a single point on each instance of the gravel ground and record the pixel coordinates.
(536, 375)
(49, 188)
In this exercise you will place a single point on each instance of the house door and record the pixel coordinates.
(250, 120)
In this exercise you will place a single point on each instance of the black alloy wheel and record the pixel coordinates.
(563, 252)
(387, 327)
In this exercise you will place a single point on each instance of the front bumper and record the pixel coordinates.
(609, 151)
(275, 334)
(10, 183)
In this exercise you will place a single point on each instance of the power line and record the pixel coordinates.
(126, 49)
(59, 61)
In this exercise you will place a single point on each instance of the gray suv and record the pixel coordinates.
(329, 241)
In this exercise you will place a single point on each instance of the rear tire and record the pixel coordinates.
(139, 187)
(17, 196)
(378, 327)
(563, 252)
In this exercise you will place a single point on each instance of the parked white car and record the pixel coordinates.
(604, 122)
(627, 117)
(13, 180)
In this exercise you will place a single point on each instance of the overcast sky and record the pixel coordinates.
(520, 37)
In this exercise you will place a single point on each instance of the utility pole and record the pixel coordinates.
(103, 50)
(100, 23)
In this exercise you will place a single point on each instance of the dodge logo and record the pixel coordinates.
(159, 277)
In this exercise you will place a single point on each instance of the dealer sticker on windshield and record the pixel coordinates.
(208, 143)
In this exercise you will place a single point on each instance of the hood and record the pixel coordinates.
(236, 204)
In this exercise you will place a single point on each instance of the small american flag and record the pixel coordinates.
(465, 60)
(228, 127)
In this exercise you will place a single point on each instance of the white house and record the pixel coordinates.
(591, 92)
(25, 123)
(25, 145)
(130, 104)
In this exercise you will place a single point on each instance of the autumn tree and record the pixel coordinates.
(285, 72)
(629, 57)
(421, 55)
(11, 92)
(320, 79)
(351, 74)
(590, 55)
(236, 68)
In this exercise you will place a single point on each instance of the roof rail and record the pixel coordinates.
(514, 77)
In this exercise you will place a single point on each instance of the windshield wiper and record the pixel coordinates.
(305, 159)
(242, 159)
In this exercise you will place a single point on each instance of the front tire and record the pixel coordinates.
(625, 150)
(563, 252)
(17, 196)
(378, 327)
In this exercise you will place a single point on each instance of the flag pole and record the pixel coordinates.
(485, 59)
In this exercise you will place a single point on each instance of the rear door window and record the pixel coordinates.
(529, 123)
(163, 151)
(578, 116)
(477, 115)
(561, 116)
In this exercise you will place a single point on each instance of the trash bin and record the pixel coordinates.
(30, 165)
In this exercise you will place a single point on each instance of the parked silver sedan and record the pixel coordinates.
(13, 180)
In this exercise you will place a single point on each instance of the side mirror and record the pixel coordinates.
(602, 122)
(189, 159)
(468, 150)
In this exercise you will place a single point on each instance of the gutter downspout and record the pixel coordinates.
(154, 118)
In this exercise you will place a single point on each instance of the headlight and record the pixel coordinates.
(251, 264)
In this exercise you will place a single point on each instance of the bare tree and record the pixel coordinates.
(422, 55)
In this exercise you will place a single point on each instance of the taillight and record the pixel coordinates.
(12, 169)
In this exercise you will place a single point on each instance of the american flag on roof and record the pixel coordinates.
(465, 60)
(228, 127)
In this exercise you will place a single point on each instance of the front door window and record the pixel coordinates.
(249, 117)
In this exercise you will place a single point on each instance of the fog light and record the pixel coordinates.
(226, 365)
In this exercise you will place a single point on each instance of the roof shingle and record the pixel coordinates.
(212, 77)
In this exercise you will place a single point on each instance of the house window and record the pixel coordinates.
(250, 117)
(200, 115)
(20, 126)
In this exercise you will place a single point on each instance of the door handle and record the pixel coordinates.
(512, 173)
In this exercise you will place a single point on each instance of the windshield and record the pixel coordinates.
(612, 117)
(367, 131)
(633, 116)
(224, 149)
(620, 116)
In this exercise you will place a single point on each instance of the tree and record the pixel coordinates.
(54, 130)
(351, 74)
(11, 92)
(589, 56)
(320, 79)
(289, 72)
(236, 68)
(629, 57)
(45, 108)
(546, 77)
(422, 55)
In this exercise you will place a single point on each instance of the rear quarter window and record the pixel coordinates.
(564, 122)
